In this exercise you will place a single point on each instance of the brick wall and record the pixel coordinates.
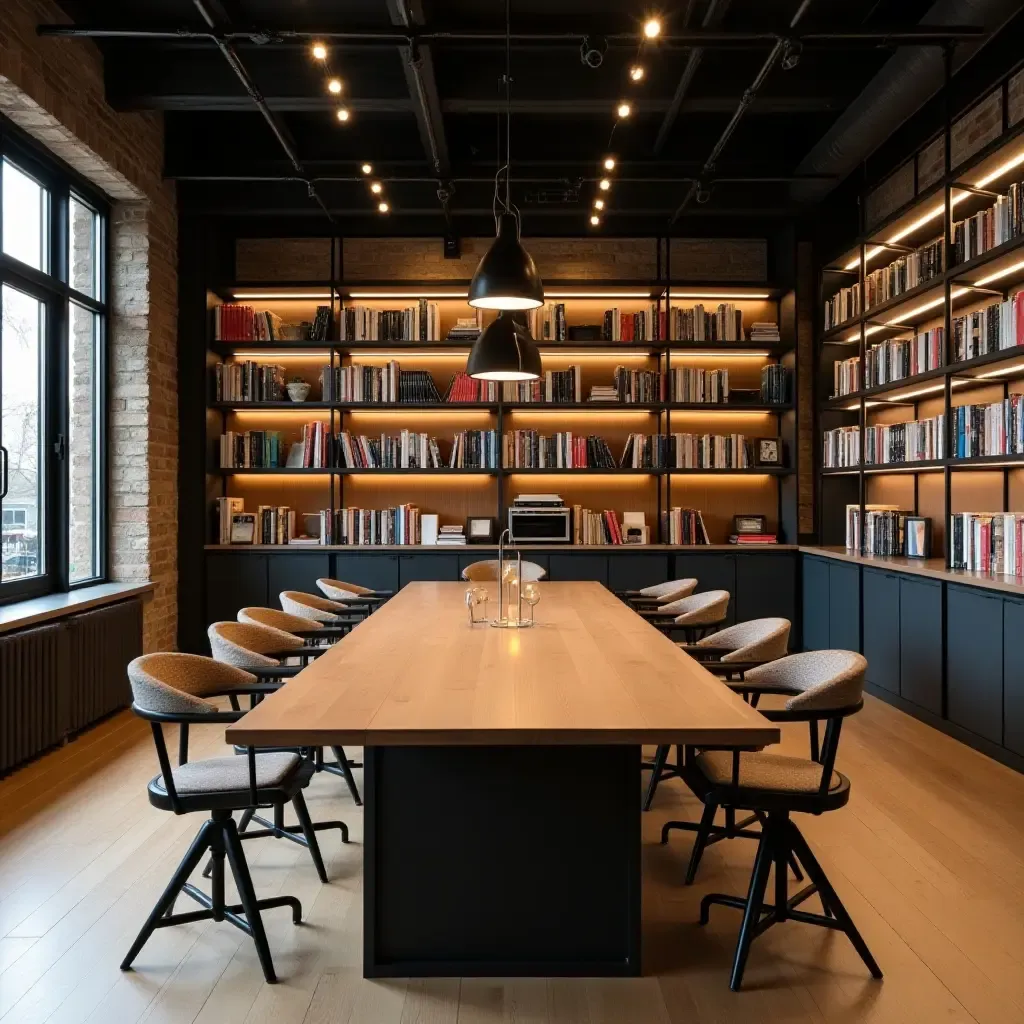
(54, 90)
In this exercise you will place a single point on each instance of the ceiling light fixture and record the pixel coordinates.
(604, 184)
(376, 188)
(383, 207)
(636, 73)
(598, 204)
(595, 220)
(506, 278)
(609, 163)
(623, 110)
(367, 168)
(652, 28)
(334, 86)
(319, 51)
(343, 114)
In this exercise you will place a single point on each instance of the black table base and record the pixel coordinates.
(502, 861)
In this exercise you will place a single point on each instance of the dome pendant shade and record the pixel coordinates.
(506, 277)
(504, 351)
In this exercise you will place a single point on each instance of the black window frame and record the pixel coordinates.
(53, 288)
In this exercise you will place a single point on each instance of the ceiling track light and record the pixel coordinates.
(343, 114)
(367, 168)
(334, 86)
(598, 204)
(609, 163)
(376, 188)
(319, 51)
(652, 28)
(595, 220)
(636, 73)
(623, 110)
(604, 184)
(383, 207)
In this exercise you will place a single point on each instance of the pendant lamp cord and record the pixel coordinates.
(506, 168)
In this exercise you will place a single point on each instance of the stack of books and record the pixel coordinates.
(451, 536)
(990, 227)
(595, 527)
(466, 329)
(887, 361)
(698, 324)
(754, 538)
(691, 385)
(563, 386)
(987, 542)
(915, 441)
(647, 325)
(993, 429)
(684, 526)
(764, 332)
(464, 388)
(996, 327)
(249, 382)
(633, 386)
(421, 322)
(359, 383)
(251, 449)
(417, 386)
(232, 322)
(407, 450)
(841, 448)
(474, 449)
(359, 526)
(842, 306)
(874, 514)
(903, 274)
(775, 384)
(603, 393)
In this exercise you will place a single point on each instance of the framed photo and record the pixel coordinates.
(243, 528)
(481, 530)
(917, 537)
(767, 451)
(749, 524)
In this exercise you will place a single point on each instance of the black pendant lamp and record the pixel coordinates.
(506, 278)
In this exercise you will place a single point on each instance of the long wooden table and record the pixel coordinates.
(493, 759)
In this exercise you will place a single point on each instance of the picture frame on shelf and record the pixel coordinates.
(917, 537)
(742, 524)
(481, 530)
(243, 528)
(767, 451)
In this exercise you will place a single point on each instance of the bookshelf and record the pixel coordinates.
(955, 376)
(455, 493)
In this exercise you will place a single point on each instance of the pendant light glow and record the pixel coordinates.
(636, 73)
(504, 351)
(623, 110)
(334, 86)
(367, 168)
(609, 163)
(319, 51)
(652, 28)
(343, 114)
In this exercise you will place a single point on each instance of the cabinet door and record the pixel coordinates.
(815, 603)
(712, 571)
(1013, 676)
(583, 566)
(631, 571)
(974, 661)
(882, 628)
(844, 606)
(765, 586)
(920, 642)
(376, 571)
(442, 566)
(235, 581)
(296, 572)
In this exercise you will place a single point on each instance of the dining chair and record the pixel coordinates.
(486, 571)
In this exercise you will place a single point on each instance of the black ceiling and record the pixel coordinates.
(428, 117)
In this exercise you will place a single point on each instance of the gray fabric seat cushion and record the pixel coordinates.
(765, 771)
(227, 774)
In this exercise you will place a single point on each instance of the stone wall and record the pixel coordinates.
(53, 89)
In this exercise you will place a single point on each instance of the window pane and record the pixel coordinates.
(83, 233)
(21, 434)
(83, 445)
(26, 205)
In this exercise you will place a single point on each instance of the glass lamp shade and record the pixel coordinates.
(506, 277)
(504, 351)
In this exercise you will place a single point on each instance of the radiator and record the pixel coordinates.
(57, 679)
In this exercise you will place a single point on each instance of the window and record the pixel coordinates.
(52, 376)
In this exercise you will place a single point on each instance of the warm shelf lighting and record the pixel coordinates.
(334, 86)
(367, 168)
(383, 207)
(609, 163)
(319, 51)
(343, 114)
(1016, 368)
(652, 28)
(604, 184)
(736, 296)
(408, 295)
(280, 295)
(623, 110)
(376, 188)
(599, 295)
(636, 73)
(1013, 268)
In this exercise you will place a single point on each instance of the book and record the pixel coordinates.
(227, 509)
(419, 322)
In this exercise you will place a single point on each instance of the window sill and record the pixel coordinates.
(38, 610)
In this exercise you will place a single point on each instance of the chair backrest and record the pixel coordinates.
(825, 681)
(246, 645)
(310, 606)
(698, 609)
(177, 684)
(756, 640)
(338, 590)
(276, 619)
(672, 590)
(486, 571)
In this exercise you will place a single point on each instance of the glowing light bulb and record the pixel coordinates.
(376, 188)
(320, 51)
(598, 204)
(623, 110)
(367, 168)
(334, 86)
(636, 73)
(604, 184)
(652, 28)
(595, 220)
(609, 163)
(383, 207)
(343, 114)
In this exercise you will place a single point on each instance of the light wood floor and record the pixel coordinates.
(928, 856)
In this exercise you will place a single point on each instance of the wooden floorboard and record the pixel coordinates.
(928, 857)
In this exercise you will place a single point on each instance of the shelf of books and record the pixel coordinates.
(921, 371)
(331, 402)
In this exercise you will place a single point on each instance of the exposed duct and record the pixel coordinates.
(911, 76)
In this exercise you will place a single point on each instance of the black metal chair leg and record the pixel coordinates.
(752, 911)
(299, 803)
(243, 822)
(246, 893)
(346, 769)
(829, 898)
(815, 749)
(660, 757)
(700, 841)
(199, 846)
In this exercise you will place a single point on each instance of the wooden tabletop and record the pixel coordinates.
(591, 671)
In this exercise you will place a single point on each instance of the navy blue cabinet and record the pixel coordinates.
(974, 661)
(713, 571)
(378, 572)
(882, 628)
(920, 668)
(635, 570)
(570, 566)
(1013, 675)
(844, 606)
(815, 573)
(235, 581)
(441, 566)
(766, 587)
(294, 571)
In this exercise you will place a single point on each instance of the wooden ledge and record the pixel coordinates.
(37, 610)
